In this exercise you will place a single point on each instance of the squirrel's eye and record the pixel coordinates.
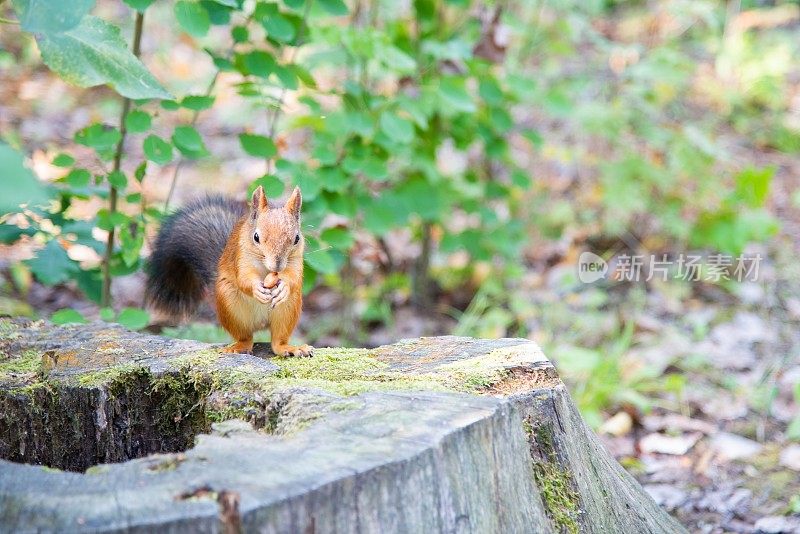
(256, 238)
(297, 239)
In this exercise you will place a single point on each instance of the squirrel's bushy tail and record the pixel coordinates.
(183, 265)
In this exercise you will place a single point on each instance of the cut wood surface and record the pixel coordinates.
(134, 432)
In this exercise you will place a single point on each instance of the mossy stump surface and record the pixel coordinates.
(102, 429)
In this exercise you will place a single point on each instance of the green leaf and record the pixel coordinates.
(303, 75)
(375, 169)
(133, 318)
(455, 96)
(131, 241)
(157, 150)
(279, 28)
(99, 137)
(139, 5)
(259, 63)
(78, 178)
(321, 261)
(294, 4)
(338, 237)
(189, 142)
(396, 128)
(332, 179)
(51, 264)
(752, 185)
(520, 179)
(334, 7)
(287, 77)
(308, 183)
(170, 105)
(118, 180)
(63, 160)
(107, 220)
(258, 145)
(421, 197)
(501, 120)
(18, 184)
(192, 18)
(273, 186)
(490, 91)
(94, 53)
(137, 121)
(140, 171)
(240, 34)
(197, 102)
(218, 15)
(107, 315)
(398, 60)
(10, 233)
(381, 215)
(222, 63)
(48, 16)
(68, 316)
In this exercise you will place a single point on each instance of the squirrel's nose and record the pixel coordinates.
(275, 265)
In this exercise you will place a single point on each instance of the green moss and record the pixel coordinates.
(97, 469)
(8, 329)
(31, 389)
(47, 469)
(168, 463)
(181, 399)
(560, 500)
(108, 375)
(27, 364)
(341, 372)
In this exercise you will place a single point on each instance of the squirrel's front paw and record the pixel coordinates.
(261, 293)
(279, 293)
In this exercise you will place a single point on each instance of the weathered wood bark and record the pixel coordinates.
(429, 435)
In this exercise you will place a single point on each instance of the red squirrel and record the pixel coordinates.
(250, 257)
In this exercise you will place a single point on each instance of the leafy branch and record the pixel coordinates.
(113, 192)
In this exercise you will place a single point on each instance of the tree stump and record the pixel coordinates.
(102, 429)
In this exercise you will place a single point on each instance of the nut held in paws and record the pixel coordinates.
(271, 280)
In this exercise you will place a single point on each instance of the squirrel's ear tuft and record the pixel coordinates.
(294, 202)
(259, 201)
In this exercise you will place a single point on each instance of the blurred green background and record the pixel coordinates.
(455, 158)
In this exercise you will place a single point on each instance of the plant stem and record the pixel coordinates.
(421, 295)
(195, 115)
(8, 21)
(273, 120)
(181, 161)
(112, 196)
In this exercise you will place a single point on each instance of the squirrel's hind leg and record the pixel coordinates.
(282, 321)
(238, 327)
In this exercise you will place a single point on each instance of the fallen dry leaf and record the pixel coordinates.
(663, 444)
(733, 446)
(790, 457)
(618, 425)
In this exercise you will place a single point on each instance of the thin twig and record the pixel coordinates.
(182, 160)
(112, 198)
(273, 120)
